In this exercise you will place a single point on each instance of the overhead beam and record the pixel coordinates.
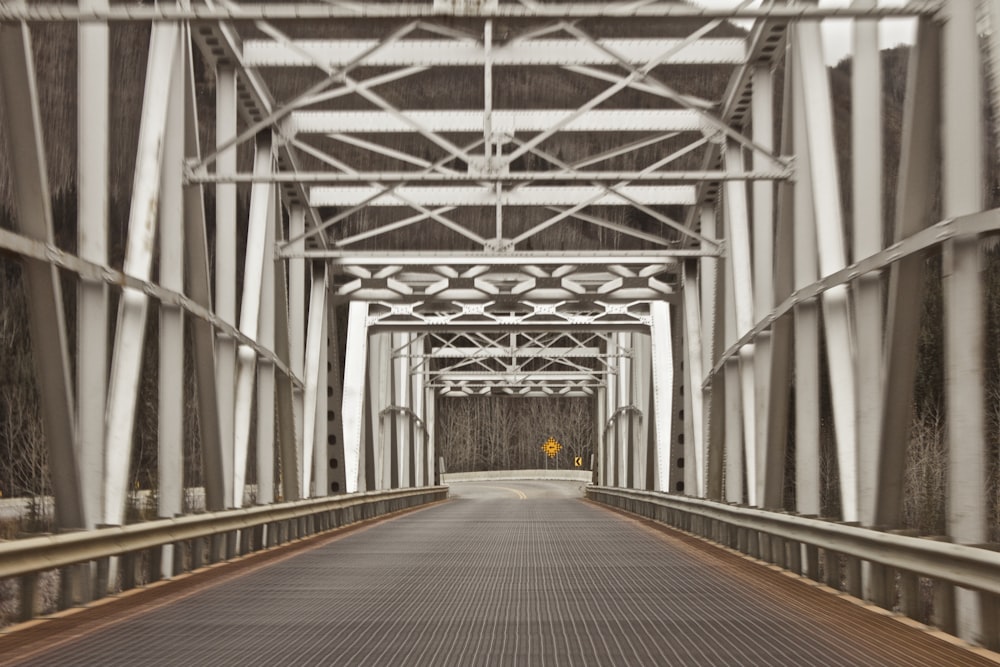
(483, 196)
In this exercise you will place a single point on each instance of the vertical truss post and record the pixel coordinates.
(663, 390)
(780, 380)
(610, 434)
(134, 304)
(741, 281)
(315, 374)
(816, 109)
(354, 395)
(642, 399)
(866, 126)
(323, 452)
(200, 290)
(806, 321)
(225, 265)
(46, 320)
(601, 419)
(380, 380)
(401, 399)
(762, 109)
(297, 313)
(171, 338)
(694, 442)
(962, 143)
(712, 309)
(93, 56)
(261, 202)
(418, 433)
(289, 428)
(622, 449)
(265, 368)
(340, 475)
(733, 471)
(430, 433)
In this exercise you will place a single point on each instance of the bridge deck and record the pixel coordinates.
(505, 573)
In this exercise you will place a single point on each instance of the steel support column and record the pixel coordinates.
(265, 368)
(694, 443)
(315, 375)
(641, 399)
(133, 306)
(171, 338)
(225, 268)
(741, 281)
(46, 319)
(401, 398)
(963, 142)
(663, 390)
(261, 204)
(806, 323)
(93, 56)
(816, 109)
(355, 398)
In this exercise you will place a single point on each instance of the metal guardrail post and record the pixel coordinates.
(831, 569)
(31, 599)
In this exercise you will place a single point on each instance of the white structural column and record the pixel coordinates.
(642, 355)
(418, 431)
(741, 282)
(401, 399)
(430, 433)
(354, 393)
(780, 379)
(810, 71)
(265, 368)
(867, 171)
(315, 374)
(171, 338)
(297, 314)
(261, 203)
(225, 266)
(200, 290)
(662, 353)
(380, 380)
(693, 438)
(914, 203)
(763, 267)
(712, 293)
(320, 441)
(336, 464)
(622, 444)
(134, 304)
(611, 406)
(805, 270)
(962, 193)
(33, 217)
(93, 53)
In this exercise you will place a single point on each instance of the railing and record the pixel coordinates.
(197, 540)
(896, 561)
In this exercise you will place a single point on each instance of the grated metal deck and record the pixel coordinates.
(509, 574)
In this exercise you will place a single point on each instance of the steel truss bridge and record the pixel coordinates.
(570, 220)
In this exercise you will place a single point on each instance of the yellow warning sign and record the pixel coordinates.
(551, 448)
(578, 461)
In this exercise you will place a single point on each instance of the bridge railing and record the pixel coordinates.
(197, 540)
(900, 566)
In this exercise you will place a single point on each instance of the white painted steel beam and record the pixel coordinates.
(355, 392)
(93, 142)
(261, 204)
(130, 332)
(962, 187)
(171, 335)
(225, 268)
(822, 166)
(662, 372)
(503, 121)
(200, 290)
(540, 195)
(694, 375)
(315, 375)
(311, 11)
(442, 52)
(265, 369)
(19, 109)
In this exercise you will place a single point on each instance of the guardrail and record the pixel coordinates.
(197, 540)
(895, 560)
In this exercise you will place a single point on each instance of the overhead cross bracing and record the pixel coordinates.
(662, 186)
